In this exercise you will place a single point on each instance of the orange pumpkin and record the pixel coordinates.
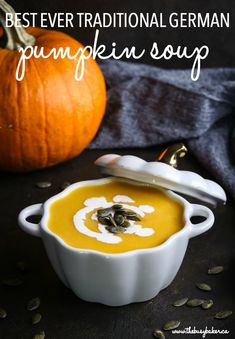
(48, 117)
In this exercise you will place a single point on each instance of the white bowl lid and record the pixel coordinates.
(162, 175)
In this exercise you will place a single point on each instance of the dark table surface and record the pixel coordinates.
(66, 316)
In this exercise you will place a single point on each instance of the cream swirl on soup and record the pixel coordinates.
(103, 235)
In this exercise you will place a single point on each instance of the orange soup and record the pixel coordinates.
(115, 216)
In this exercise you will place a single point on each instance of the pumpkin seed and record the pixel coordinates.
(33, 304)
(36, 318)
(64, 185)
(223, 314)
(126, 223)
(12, 282)
(128, 213)
(115, 217)
(117, 207)
(194, 302)
(171, 325)
(133, 217)
(3, 313)
(119, 219)
(105, 212)
(207, 304)
(40, 335)
(158, 334)
(180, 302)
(215, 270)
(112, 220)
(43, 184)
(105, 221)
(204, 287)
(116, 229)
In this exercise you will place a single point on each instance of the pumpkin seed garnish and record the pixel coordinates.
(40, 335)
(203, 287)
(215, 270)
(33, 304)
(133, 217)
(195, 302)
(36, 318)
(3, 313)
(43, 184)
(64, 185)
(223, 314)
(180, 302)
(119, 219)
(117, 207)
(104, 212)
(112, 220)
(158, 334)
(116, 218)
(12, 282)
(105, 221)
(207, 304)
(171, 325)
(126, 223)
(115, 229)
(128, 213)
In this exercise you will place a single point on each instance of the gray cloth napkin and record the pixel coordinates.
(148, 106)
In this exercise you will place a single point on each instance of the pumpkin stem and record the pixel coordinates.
(17, 37)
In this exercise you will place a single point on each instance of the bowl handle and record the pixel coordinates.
(201, 211)
(27, 226)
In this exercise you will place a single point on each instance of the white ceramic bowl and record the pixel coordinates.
(116, 279)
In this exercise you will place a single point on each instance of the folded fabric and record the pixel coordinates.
(148, 106)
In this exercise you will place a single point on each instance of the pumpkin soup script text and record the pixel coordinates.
(100, 51)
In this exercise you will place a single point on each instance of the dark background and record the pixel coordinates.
(64, 315)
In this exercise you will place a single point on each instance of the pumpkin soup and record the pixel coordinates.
(115, 216)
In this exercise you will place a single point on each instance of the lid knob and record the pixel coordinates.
(172, 154)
